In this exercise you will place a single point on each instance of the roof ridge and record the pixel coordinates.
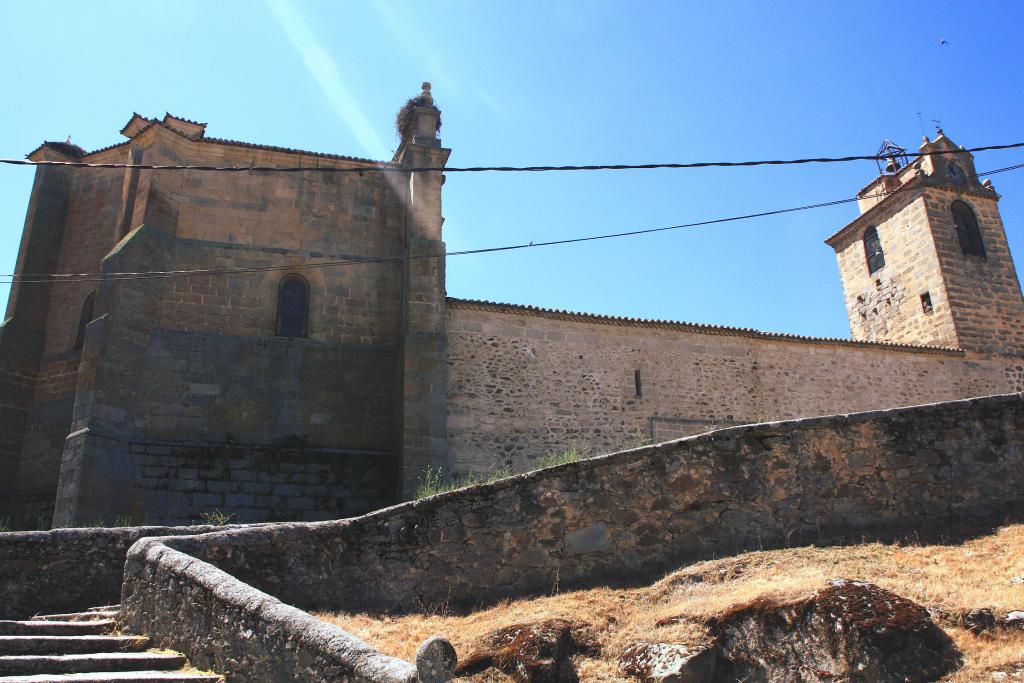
(168, 114)
(208, 140)
(290, 150)
(66, 148)
(705, 328)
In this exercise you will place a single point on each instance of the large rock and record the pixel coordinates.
(850, 631)
(668, 663)
(977, 621)
(532, 653)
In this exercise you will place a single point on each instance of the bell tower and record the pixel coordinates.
(927, 261)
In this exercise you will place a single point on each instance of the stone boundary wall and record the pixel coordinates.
(935, 470)
(65, 570)
(929, 470)
(229, 627)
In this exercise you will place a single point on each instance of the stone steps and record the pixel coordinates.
(77, 616)
(80, 646)
(119, 676)
(70, 645)
(92, 627)
(26, 665)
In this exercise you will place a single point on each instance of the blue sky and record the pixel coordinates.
(556, 83)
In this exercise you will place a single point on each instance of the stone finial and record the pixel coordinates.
(427, 98)
(436, 659)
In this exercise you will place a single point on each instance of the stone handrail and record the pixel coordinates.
(236, 630)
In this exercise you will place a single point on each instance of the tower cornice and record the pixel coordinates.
(911, 188)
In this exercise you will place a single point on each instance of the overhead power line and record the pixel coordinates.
(42, 278)
(389, 168)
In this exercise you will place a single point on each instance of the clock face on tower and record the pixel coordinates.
(955, 173)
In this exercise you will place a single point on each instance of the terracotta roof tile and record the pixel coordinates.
(75, 150)
(169, 115)
(137, 118)
(69, 149)
(109, 147)
(700, 328)
(193, 130)
(132, 128)
(289, 150)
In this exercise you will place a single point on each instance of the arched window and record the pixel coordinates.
(292, 307)
(873, 249)
(84, 319)
(967, 231)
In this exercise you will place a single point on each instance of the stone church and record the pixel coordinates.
(261, 385)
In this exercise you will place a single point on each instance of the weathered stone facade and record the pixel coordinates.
(232, 598)
(525, 382)
(159, 399)
(930, 289)
(195, 363)
(928, 472)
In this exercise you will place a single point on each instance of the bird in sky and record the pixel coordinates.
(943, 42)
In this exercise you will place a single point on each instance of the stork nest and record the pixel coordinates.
(405, 120)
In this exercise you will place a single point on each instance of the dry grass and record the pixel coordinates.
(978, 573)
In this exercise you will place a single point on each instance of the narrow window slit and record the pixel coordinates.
(926, 302)
(636, 383)
(84, 319)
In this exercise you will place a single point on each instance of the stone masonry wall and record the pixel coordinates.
(220, 387)
(16, 383)
(933, 470)
(46, 427)
(27, 482)
(886, 305)
(89, 234)
(525, 382)
(985, 293)
(48, 572)
(194, 394)
(196, 356)
(170, 482)
(216, 334)
(195, 359)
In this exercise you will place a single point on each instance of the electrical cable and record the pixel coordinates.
(388, 168)
(95, 277)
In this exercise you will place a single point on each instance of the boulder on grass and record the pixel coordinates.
(668, 662)
(1014, 619)
(539, 652)
(980, 620)
(850, 631)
